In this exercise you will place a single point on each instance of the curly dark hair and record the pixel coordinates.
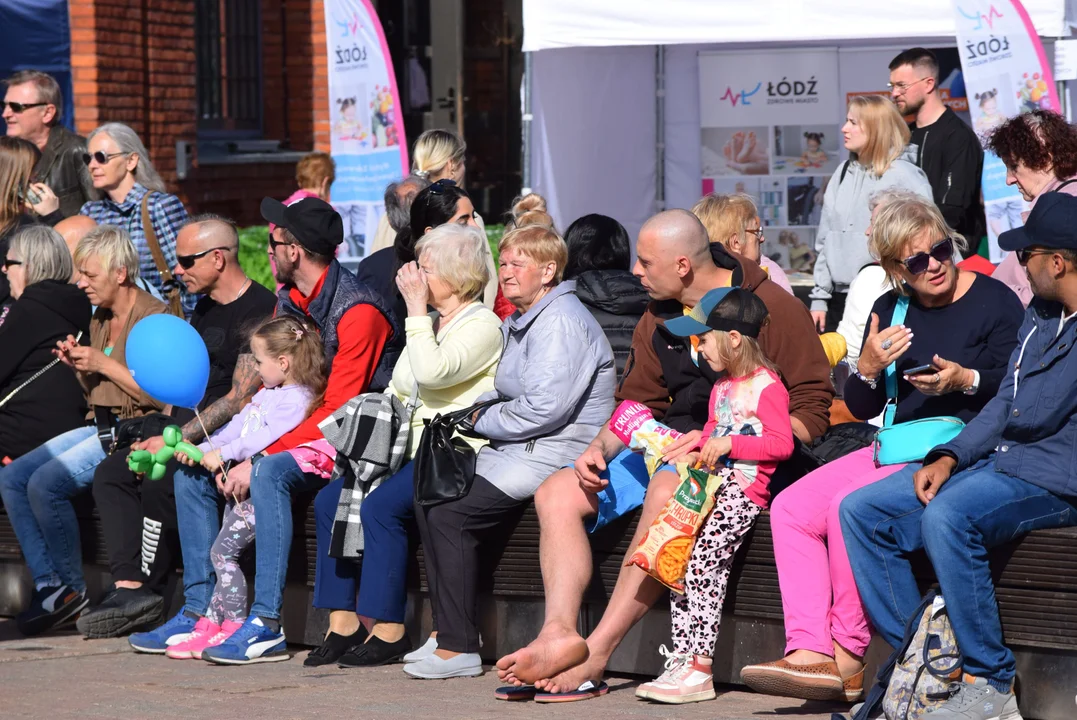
(1040, 140)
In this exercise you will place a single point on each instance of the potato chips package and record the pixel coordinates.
(635, 426)
(666, 548)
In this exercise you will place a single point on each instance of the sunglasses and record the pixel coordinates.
(187, 261)
(19, 108)
(1025, 254)
(441, 186)
(274, 244)
(100, 157)
(8, 263)
(942, 251)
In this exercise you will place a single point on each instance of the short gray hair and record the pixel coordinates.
(48, 90)
(44, 254)
(889, 195)
(129, 143)
(113, 246)
(457, 254)
(399, 210)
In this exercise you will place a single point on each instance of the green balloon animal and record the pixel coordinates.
(153, 465)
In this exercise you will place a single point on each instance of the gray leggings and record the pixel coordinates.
(229, 601)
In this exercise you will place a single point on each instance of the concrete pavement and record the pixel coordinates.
(63, 676)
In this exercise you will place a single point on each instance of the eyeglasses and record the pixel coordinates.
(100, 157)
(11, 263)
(903, 88)
(187, 261)
(942, 251)
(19, 108)
(758, 232)
(1025, 254)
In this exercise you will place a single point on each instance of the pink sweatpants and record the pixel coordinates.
(819, 596)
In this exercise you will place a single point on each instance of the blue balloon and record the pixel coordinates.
(168, 360)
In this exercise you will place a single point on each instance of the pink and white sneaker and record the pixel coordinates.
(685, 680)
(228, 627)
(196, 642)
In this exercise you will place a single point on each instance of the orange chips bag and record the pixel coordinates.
(665, 550)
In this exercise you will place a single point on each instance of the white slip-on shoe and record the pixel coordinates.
(422, 653)
(435, 668)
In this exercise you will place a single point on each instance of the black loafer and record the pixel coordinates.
(375, 652)
(333, 647)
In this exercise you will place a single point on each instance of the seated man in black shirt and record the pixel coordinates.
(140, 534)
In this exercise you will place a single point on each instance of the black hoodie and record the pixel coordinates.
(54, 403)
(617, 300)
(950, 155)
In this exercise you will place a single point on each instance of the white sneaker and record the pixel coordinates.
(422, 653)
(684, 681)
(435, 668)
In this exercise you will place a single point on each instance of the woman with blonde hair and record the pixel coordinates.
(733, 221)
(877, 139)
(965, 327)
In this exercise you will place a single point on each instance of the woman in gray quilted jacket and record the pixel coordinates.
(555, 382)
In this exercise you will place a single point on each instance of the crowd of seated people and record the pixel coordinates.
(684, 322)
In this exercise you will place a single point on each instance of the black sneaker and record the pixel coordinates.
(375, 651)
(122, 611)
(333, 647)
(51, 607)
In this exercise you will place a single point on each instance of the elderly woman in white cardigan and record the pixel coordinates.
(451, 355)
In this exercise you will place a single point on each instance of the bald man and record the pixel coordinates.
(677, 265)
(141, 532)
(72, 229)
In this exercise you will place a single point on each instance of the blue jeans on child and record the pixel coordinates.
(388, 515)
(975, 510)
(274, 480)
(37, 489)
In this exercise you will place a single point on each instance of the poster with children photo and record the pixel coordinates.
(805, 149)
(735, 151)
(806, 199)
(990, 107)
(351, 118)
(792, 248)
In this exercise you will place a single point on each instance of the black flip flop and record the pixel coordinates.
(586, 691)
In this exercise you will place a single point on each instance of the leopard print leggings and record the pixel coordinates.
(697, 614)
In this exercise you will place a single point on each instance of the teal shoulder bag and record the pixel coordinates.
(908, 441)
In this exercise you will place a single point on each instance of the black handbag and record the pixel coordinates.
(444, 466)
(127, 432)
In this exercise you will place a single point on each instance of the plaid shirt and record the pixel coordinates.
(167, 215)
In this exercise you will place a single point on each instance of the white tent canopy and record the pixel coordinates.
(603, 23)
(594, 95)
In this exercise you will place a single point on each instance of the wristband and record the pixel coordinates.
(872, 383)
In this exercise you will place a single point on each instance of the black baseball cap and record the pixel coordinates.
(315, 224)
(706, 315)
(1051, 224)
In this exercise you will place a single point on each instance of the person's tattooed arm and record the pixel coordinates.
(245, 383)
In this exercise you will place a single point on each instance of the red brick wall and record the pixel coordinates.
(133, 61)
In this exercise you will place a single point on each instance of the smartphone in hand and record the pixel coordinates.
(922, 370)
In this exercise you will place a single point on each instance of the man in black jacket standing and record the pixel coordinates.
(947, 148)
(31, 111)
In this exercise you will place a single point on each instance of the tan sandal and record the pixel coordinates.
(820, 681)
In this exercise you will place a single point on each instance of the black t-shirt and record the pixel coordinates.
(226, 331)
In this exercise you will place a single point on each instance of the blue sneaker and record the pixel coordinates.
(252, 643)
(159, 640)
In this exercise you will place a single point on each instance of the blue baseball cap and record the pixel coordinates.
(703, 317)
(1051, 224)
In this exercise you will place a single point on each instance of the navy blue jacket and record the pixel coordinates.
(1033, 436)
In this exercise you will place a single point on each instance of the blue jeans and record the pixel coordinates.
(387, 514)
(274, 480)
(198, 515)
(37, 489)
(974, 510)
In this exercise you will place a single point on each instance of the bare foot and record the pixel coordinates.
(571, 679)
(555, 649)
(807, 657)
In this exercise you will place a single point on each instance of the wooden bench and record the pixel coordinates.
(1036, 586)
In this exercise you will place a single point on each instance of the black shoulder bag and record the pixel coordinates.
(444, 464)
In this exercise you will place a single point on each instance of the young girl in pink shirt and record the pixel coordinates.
(748, 433)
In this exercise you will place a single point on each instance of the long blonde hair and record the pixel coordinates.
(299, 340)
(885, 129)
(17, 159)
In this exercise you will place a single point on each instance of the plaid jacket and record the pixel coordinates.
(370, 434)
(167, 215)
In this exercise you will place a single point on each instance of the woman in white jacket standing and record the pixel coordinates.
(877, 140)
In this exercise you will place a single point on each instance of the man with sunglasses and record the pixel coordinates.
(32, 111)
(1009, 472)
(947, 148)
(142, 537)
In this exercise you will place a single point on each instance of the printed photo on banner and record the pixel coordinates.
(804, 149)
(792, 248)
(736, 151)
(806, 199)
(992, 105)
(366, 129)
